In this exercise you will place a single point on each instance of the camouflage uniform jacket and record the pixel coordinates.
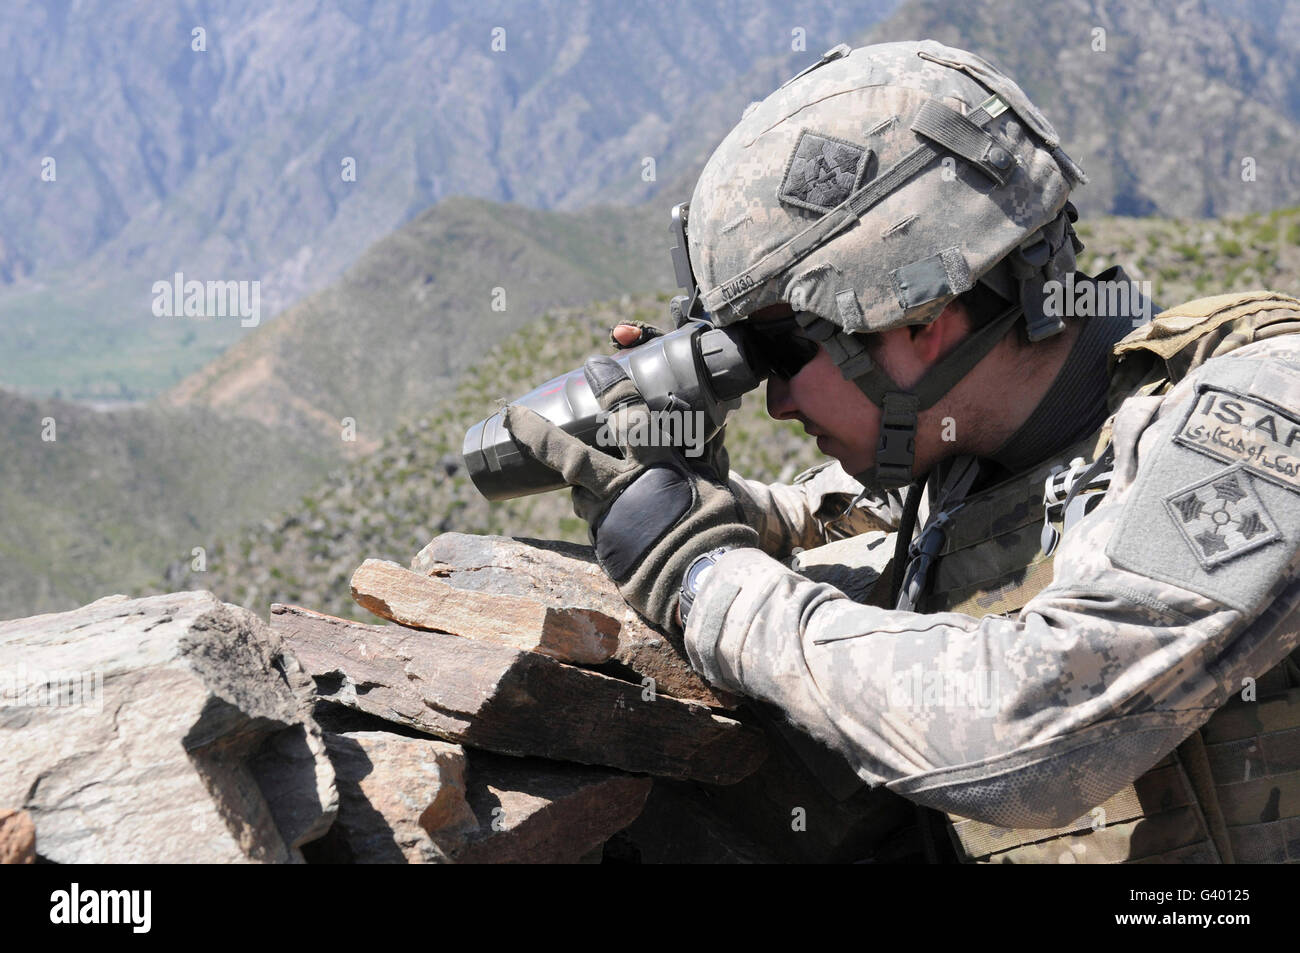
(1180, 585)
(822, 505)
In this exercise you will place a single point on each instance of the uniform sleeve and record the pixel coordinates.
(811, 511)
(1177, 589)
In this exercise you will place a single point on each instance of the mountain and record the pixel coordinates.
(280, 141)
(392, 502)
(1163, 102)
(231, 163)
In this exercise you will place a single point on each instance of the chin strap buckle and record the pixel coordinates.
(896, 450)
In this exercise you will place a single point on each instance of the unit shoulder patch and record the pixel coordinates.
(823, 171)
(1221, 517)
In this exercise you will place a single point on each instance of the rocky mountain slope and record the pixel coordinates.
(1162, 102)
(284, 140)
(392, 336)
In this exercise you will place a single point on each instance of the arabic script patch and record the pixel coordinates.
(1222, 517)
(823, 171)
(1236, 428)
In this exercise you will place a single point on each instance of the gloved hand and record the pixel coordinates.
(629, 334)
(650, 513)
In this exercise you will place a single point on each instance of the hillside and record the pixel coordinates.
(116, 497)
(389, 339)
(391, 503)
(1163, 116)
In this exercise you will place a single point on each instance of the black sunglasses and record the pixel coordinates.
(782, 346)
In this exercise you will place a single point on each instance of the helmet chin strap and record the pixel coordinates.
(1020, 278)
(896, 452)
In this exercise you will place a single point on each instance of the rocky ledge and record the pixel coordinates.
(511, 709)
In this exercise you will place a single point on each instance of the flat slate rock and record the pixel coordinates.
(565, 574)
(394, 793)
(514, 702)
(532, 811)
(423, 800)
(420, 601)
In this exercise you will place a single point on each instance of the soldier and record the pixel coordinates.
(1098, 546)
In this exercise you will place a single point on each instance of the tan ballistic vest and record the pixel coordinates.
(1231, 791)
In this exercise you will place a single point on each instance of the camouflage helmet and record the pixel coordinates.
(817, 196)
(872, 189)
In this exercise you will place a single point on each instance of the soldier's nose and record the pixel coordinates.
(780, 405)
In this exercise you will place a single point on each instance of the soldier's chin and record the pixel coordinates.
(851, 459)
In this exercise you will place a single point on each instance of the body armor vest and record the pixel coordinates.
(1231, 791)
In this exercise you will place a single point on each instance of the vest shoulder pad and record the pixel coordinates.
(1188, 335)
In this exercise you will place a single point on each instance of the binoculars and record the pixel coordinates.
(696, 369)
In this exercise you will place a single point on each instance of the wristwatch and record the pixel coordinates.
(694, 576)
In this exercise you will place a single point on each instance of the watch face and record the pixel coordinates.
(701, 574)
(699, 569)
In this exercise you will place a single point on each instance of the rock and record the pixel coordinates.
(394, 792)
(17, 837)
(419, 601)
(539, 812)
(564, 574)
(167, 729)
(514, 702)
(420, 800)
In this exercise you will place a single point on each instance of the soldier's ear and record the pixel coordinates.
(932, 341)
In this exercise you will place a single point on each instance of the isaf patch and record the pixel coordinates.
(1222, 517)
(1237, 428)
(823, 171)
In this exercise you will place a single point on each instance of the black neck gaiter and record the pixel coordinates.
(1075, 405)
